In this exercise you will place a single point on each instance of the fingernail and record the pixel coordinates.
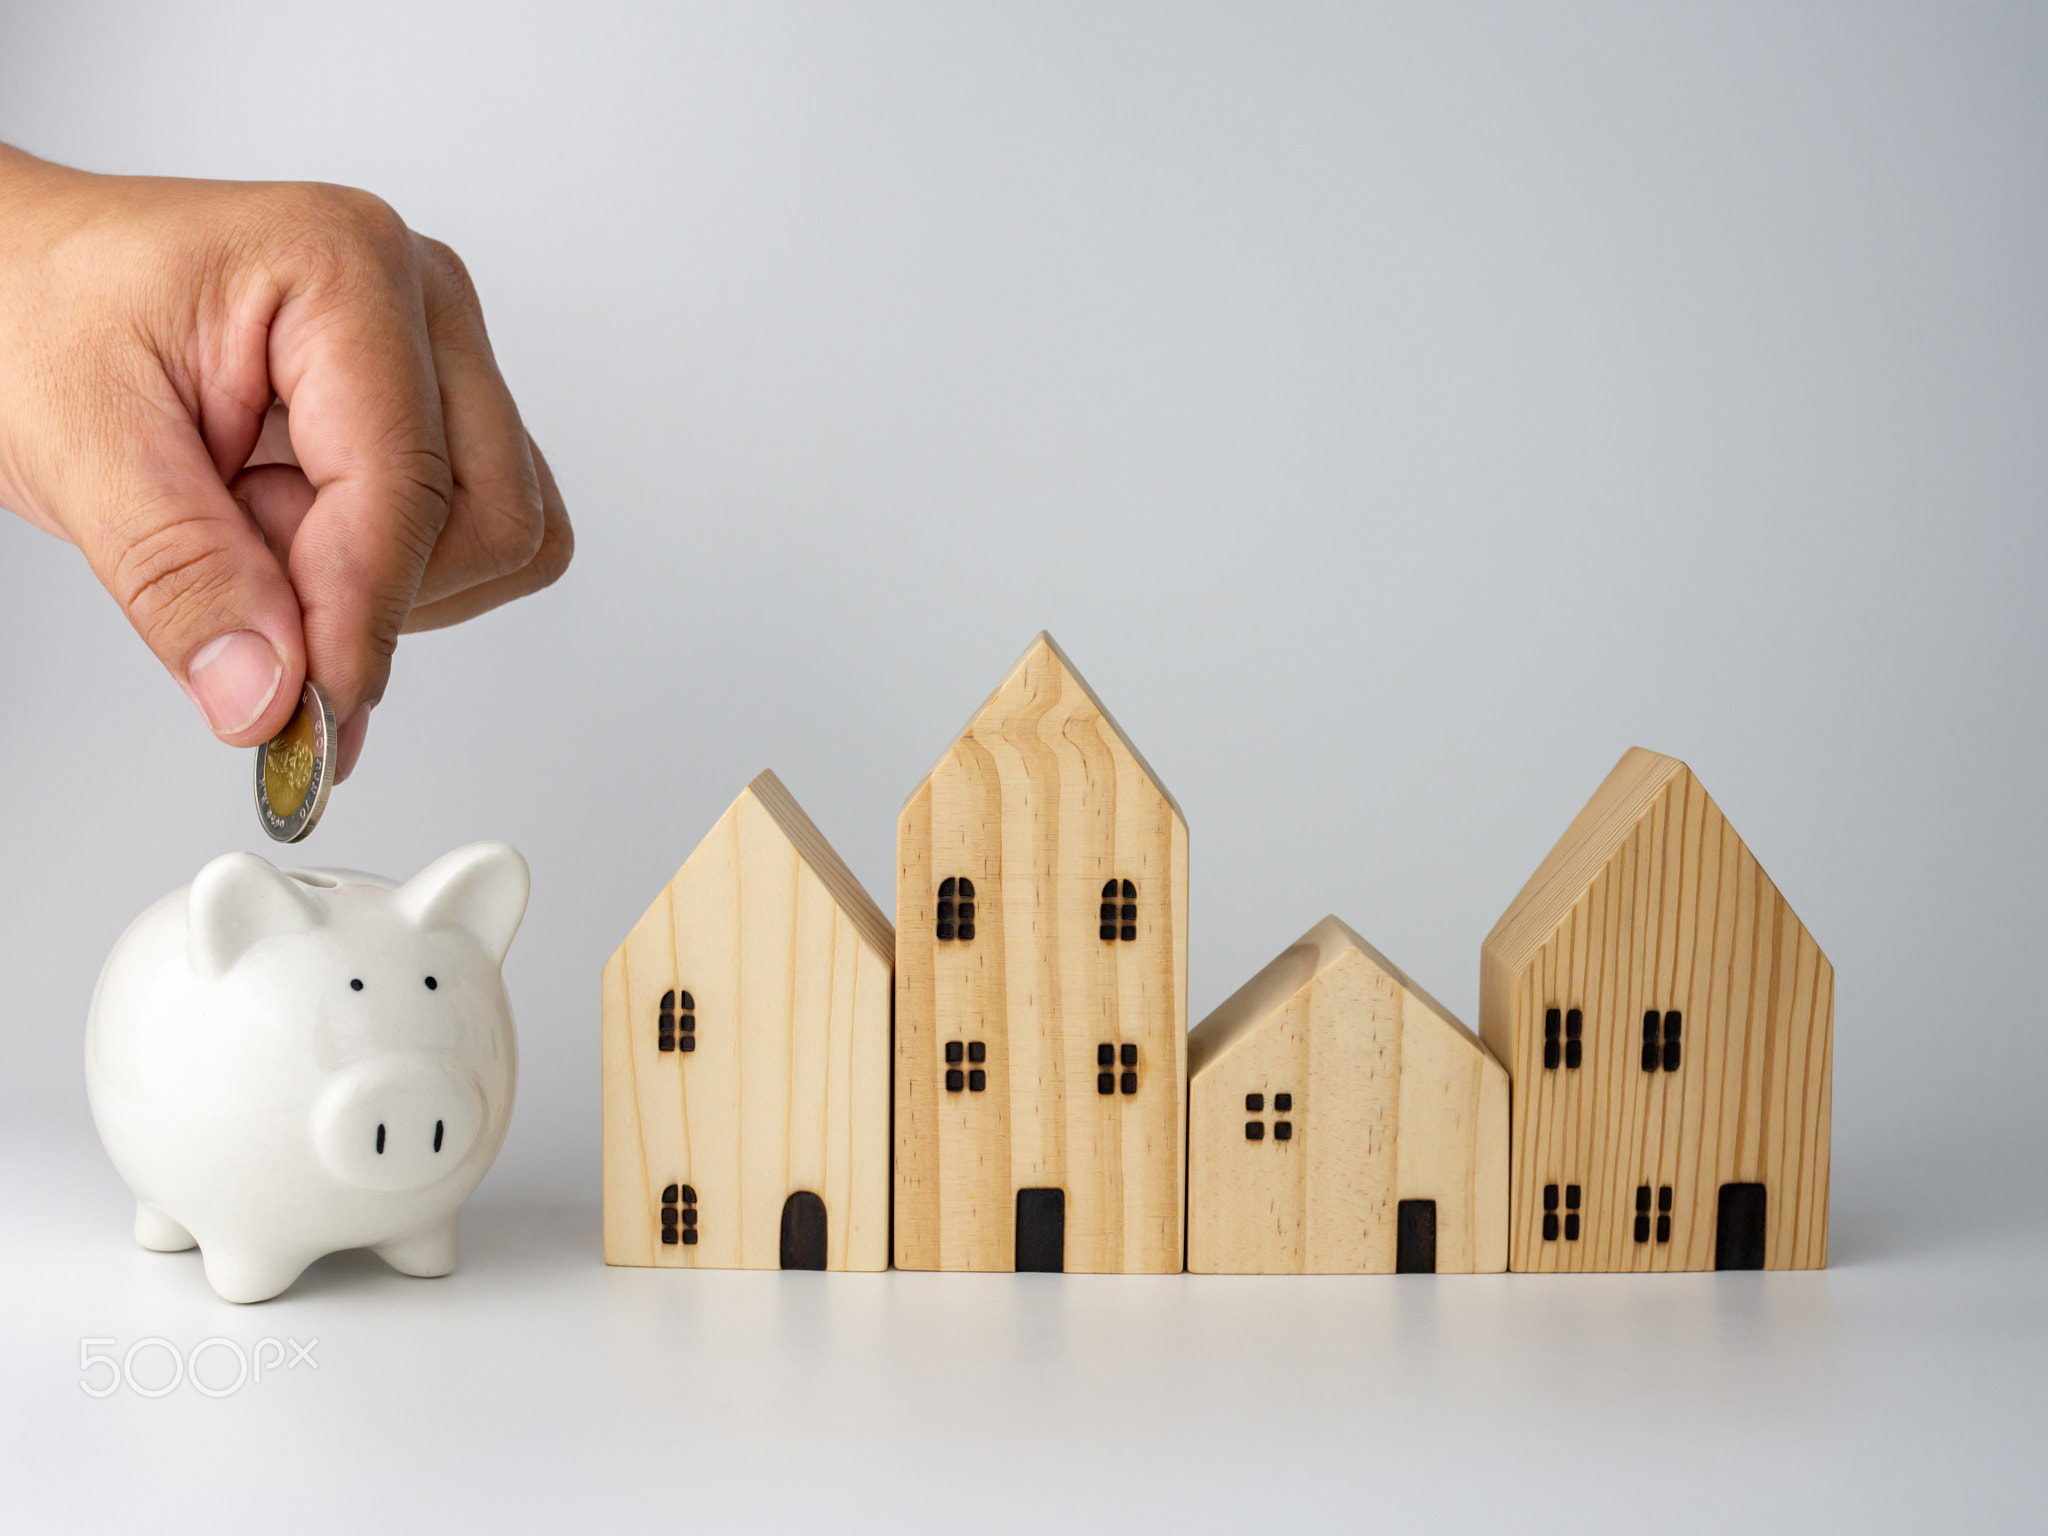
(351, 744)
(234, 679)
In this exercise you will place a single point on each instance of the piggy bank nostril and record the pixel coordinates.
(437, 1135)
(431, 984)
(380, 1141)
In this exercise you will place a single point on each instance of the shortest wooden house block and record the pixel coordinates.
(746, 1057)
(1342, 1122)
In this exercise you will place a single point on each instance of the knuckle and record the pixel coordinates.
(351, 234)
(441, 259)
(512, 529)
(170, 574)
(557, 549)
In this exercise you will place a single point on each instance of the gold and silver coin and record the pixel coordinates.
(295, 769)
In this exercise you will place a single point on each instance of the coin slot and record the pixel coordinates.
(439, 1126)
(380, 1141)
(314, 878)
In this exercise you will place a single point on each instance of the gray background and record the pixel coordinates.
(1396, 414)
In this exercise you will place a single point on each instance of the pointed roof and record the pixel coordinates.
(822, 858)
(1628, 793)
(1044, 647)
(1299, 964)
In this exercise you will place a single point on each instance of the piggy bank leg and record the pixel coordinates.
(157, 1232)
(427, 1252)
(242, 1275)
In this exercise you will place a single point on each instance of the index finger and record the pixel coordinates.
(349, 356)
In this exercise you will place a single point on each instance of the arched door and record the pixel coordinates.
(803, 1231)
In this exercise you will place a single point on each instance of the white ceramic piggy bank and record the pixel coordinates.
(283, 1065)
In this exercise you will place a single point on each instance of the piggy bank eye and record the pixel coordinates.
(355, 984)
(431, 984)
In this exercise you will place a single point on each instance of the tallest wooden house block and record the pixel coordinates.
(1041, 993)
(1667, 1024)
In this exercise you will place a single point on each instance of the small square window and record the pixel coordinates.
(687, 1043)
(1574, 1053)
(1254, 1103)
(1129, 1055)
(1550, 1197)
(1571, 1197)
(1663, 1229)
(976, 1051)
(1255, 1130)
(1130, 1082)
(1105, 1082)
(1550, 1227)
(1642, 1197)
(1553, 1055)
(1664, 1197)
(690, 1238)
(1553, 1019)
(668, 1234)
(1574, 1024)
(955, 1080)
(977, 1080)
(1283, 1130)
(1571, 1227)
(1283, 1102)
(1105, 1055)
(1642, 1227)
(954, 1051)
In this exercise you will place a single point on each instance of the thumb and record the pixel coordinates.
(191, 570)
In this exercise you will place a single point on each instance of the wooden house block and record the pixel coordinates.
(1342, 1122)
(1041, 993)
(1668, 1025)
(746, 1057)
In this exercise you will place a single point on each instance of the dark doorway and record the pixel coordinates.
(1739, 1227)
(1041, 1231)
(803, 1231)
(1415, 1238)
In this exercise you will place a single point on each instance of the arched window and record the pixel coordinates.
(678, 1017)
(956, 909)
(1119, 917)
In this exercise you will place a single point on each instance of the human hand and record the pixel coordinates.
(269, 416)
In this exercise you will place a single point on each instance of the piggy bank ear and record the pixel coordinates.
(480, 889)
(237, 900)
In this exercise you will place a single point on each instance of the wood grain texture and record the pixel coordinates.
(1650, 902)
(790, 966)
(1391, 1099)
(1039, 802)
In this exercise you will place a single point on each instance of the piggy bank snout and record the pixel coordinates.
(397, 1123)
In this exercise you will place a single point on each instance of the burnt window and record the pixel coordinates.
(677, 1027)
(1661, 1035)
(1564, 1032)
(1571, 1213)
(974, 1079)
(1119, 916)
(679, 1215)
(1255, 1104)
(956, 910)
(1108, 1057)
(1663, 1226)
